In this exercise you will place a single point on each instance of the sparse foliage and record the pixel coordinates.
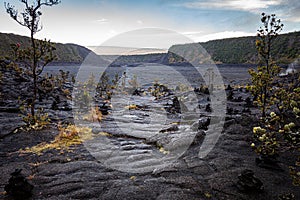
(40, 53)
(159, 90)
(41, 119)
(280, 97)
(265, 75)
(262, 86)
(266, 34)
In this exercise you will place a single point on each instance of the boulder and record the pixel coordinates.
(18, 187)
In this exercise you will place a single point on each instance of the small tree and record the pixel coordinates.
(280, 130)
(39, 54)
(263, 78)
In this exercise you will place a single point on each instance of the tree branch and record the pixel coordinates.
(13, 13)
(26, 3)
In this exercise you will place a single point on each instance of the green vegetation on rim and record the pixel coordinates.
(242, 50)
(64, 52)
(285, 49)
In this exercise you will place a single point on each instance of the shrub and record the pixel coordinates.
(278, 96)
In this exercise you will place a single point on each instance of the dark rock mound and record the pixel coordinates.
(18, 187)
(248, 182)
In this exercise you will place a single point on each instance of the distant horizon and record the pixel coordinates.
(206, 38)
(132, 47)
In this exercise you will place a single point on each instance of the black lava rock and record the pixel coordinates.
(104, 108)
(203, 123)
(230, 95)
(138, 92)
(208, 108)
(176, 105)
(248, 182)
(229, 87)
(18, 187)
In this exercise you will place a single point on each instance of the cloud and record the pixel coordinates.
(293, 18)
(289, 10)
(140, 22)
(219, 35)
(192, 33)
(246, 5)
(102, 21)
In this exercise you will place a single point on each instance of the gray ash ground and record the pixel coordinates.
(77, 174)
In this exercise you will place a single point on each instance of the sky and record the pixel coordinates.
(92, 22)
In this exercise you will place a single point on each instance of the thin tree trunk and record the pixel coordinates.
(34, 66)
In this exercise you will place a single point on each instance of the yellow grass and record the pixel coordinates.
(68, 136)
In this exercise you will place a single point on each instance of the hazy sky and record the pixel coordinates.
(91, 22)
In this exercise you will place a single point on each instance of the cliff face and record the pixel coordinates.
(242, 50)
(285, 50)
(64, 52)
